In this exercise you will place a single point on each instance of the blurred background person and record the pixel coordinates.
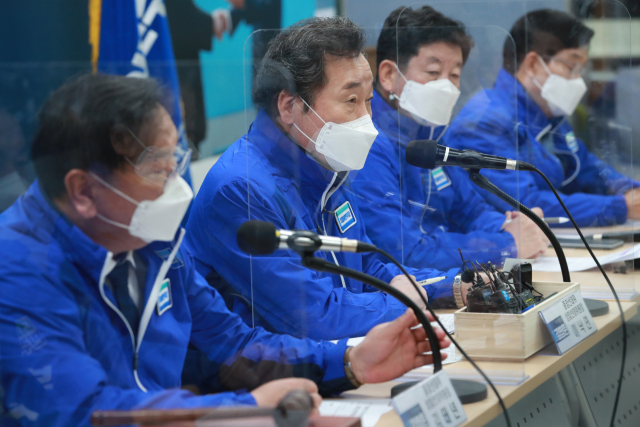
(42, 44)
(423, 217)
(192, 31)
(544, 56)
(313, 128)
(101, 297)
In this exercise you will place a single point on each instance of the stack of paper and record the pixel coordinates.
(369, 411)
(551, 264)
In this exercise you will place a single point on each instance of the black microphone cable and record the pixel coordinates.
(257, 231)
(624, 323)
(426, 302)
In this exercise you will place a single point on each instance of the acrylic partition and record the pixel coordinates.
(312, 164)
(435, 87)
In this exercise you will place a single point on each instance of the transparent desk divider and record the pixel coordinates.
(290, 181)
(603, 176)
(443, 213)
(24, 87)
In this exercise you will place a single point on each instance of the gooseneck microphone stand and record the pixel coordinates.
(595, 307)
(484, 183)
(319, 264)
(467, 391)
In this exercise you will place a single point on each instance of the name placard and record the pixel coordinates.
(431, 403)
(569, 321)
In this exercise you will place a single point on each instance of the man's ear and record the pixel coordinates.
(80, 193)
(530, 64)
(287, 107)
(388, 75)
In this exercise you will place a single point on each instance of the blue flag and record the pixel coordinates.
(131, 38)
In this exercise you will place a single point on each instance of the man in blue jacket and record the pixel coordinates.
(423, 216)
(99, 298)
(524, 117)
(291, 169)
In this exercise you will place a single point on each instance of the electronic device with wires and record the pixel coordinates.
(507, 292)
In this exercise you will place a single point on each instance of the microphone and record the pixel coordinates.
(262, 238)
(428, 154)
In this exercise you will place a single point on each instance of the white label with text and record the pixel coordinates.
(431, 403)
(569, 321)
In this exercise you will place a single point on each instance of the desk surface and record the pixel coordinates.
(593, 277)
(538, 367)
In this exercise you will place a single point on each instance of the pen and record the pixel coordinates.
(556, 220)
(431, 281)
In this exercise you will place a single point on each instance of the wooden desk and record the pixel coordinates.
(593, 278)
(539, 368)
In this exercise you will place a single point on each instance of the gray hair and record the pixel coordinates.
(295, 59)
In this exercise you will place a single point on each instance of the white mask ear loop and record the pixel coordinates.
(300, 130)
(108, 221)
(535, 81)
(314, 112)
(115, 190)
(400, 72)
(545, 66)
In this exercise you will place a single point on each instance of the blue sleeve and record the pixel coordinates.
(292, 298)
(469, 211)
(48, 376)
(393, 228)
(486, 136)
(386, 272)
(249, 357)
(596, 176)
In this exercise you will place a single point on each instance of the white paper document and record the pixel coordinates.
(431, 402)
(551, 264)
(445, 319)
(447, 322)
(369, 411)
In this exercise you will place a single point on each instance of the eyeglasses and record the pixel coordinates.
(575, 68)
(160, 166)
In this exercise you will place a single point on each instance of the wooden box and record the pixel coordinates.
(510, 337)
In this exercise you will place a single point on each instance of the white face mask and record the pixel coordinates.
(562, 95)
(344, 145)
(431, 102)
(159, 219)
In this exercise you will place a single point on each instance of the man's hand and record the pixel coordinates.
(530, 240)
(403, 284)
(221, 22)
(391, 349)
(238, 4)
(270, 394)
(632, 197)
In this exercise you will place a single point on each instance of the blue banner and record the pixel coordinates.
(134, 41)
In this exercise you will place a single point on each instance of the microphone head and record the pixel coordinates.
(467, 276)
(422, 153)
(257, 237)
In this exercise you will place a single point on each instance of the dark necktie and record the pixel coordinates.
(119, 279)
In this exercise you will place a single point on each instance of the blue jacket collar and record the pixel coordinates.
(285, 155)
(398, 126)
(77, 246)
(529, 113)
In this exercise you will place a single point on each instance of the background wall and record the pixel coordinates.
(226, 72)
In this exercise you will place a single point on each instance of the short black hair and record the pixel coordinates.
(546, 32)
(295, 59)
(79, 121)
(406, 30)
